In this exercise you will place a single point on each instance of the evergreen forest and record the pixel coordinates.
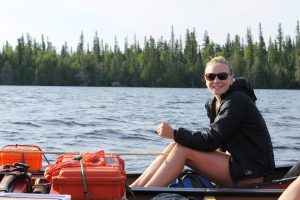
(173, 62)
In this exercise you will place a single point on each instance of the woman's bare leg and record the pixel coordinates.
(148, 173)
(292, 192)
(213, 165)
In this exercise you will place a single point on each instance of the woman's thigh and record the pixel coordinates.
(214, 165)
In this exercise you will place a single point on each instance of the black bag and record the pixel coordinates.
(14, 179)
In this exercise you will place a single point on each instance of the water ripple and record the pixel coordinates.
(25, 124)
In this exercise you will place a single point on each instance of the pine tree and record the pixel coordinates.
(207, 48)
(280, 68)
(9, 65)
(289, 62)
(249, 55)
(297, 55)
(191, 57)
(236, 59)
(261, 62)
(80, 46)
(227, 49)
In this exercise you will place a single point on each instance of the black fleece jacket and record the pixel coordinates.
(239, 128)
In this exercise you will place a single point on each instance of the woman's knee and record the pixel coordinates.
(172, 143)
(180, 149)
(169, 148)
(188, 153)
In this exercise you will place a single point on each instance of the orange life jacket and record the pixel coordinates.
(89, 159)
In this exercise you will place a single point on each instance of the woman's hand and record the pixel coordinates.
(165, 130)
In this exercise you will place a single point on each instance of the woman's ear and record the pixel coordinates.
(232, 80)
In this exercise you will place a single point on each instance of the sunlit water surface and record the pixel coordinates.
(123, 120)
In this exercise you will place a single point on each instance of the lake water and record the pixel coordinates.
(123, 120)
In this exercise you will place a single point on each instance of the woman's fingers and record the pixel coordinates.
(165, 130)
(159, 128)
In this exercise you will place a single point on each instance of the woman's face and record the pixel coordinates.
(216, 86)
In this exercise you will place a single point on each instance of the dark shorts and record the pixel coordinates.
(240, 171)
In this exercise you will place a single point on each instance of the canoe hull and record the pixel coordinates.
(210, 193)
(266, 191)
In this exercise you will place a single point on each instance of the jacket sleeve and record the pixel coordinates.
(232, 112)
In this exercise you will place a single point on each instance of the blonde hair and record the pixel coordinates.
(220, 60)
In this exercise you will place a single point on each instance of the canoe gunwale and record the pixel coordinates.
(210, 191)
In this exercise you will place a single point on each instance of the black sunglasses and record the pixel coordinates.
(221, 76)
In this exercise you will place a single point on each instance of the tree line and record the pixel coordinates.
(158, 63)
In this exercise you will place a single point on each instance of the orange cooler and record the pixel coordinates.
(103, 182)
(34, 159)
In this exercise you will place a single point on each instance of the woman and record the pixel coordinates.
(236, 127)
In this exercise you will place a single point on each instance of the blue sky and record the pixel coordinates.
(64, 20)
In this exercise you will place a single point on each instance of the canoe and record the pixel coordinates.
(266, 191)
(108, 180)
(270, 190)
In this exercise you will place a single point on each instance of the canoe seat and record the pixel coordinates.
(281, 182)
(294, 171)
